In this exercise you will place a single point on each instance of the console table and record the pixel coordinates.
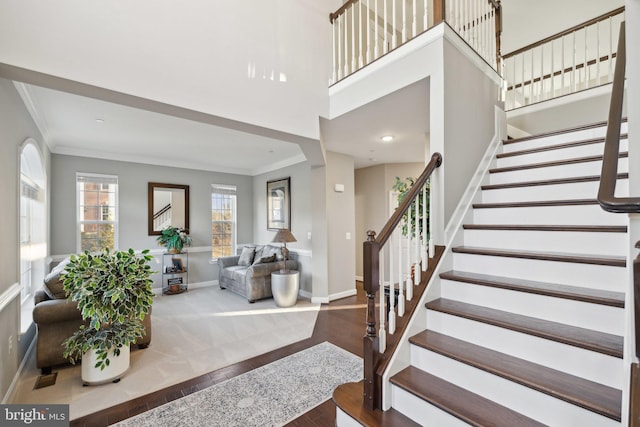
(285, 287)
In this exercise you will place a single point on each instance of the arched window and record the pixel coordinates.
(33, 220)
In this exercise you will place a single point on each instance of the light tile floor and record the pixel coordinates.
(194, 333)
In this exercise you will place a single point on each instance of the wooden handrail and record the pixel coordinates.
(565, 32)
(371, 285)
(161, 211)
(385, 233)
(606, 193)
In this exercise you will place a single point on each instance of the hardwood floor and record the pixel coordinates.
(341, 322)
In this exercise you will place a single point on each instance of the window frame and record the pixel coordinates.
(232, 191)
(115, 221)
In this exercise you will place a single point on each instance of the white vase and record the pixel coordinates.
(118, 365)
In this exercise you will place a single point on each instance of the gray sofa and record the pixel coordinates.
(249, 274)
(58, 318)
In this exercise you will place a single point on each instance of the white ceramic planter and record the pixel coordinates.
(118, 365)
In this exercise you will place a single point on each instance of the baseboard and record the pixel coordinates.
(9, 395)
(196, 285)
(341, 295)
(320, 300)
(305, 294)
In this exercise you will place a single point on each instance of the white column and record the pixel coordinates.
(392, 312)
(382, 333)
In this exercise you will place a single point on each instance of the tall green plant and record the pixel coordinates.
(402, 187)
(113, 292)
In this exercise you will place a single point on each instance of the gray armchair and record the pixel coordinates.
(249, 274)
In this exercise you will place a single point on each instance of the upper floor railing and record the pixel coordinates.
(575, 59)
(365, 30)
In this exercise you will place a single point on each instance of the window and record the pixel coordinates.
(33, 232)
(223, 220)
(97, 197)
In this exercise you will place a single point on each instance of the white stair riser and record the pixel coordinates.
(576, 361)
(420, 411)
(554, 172)
(591, 214)
(566, 273)
(578, 190)
(531, 403)
(557, 154)
(560, 310)
(562, 138)
(344, 420)
(612, 244)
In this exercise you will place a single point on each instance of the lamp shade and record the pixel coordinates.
(283, 236)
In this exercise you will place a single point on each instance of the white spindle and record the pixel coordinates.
(553, 70)
(416, 256)
(408, 262)
(541, 72)
(609, 73)
(404, 21)
(598, 53)
(360, 38)
(340, 73)
(394, 37)
(368, 34)
(531, 84)
(385, 48)
(586, 61)
(522, 81)
(562, 69)
(573, 74)
(353, 37)
(400, 269)
(382, 334)
(334, 75)
(376, 51)
(414, 26)
(391, 322)
(423, 252)
(432, 249)
(425, 16)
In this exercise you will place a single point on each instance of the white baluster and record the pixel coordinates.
(609, 75)
(400, 274)
(597, 53)
(394, 37)
(391, 322)
(368, 56)
(553, 70)
(340, 73)
(334, 75)
(541, 72)
(425, 16)
(423, 252)
(414, 26)
(360, 38)
(573, 74)
(522, 81)
(376, 51)
(416, 259)
(432, 249)
(353, 38)
(401, 266)
(385, 48)
(382, 333)
(404, 21)
(562, 69)
(587, 76)
(531, 85)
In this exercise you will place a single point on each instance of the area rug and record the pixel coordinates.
(270, 395)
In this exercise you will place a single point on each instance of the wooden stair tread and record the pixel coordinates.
(589, 395)
(613, 261)
(544, 227)
(349, 398)
(599, 342)
(536, 204)
(576, 293)
(558, 132)
(561, 146)
(457, 401)
(553, 163)
(558, 181)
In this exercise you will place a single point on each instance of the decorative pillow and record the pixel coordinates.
(53, 286)
(264, 259)
(246, 257)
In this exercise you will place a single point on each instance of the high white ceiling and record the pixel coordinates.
(68, 122)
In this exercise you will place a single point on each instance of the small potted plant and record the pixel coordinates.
(174, 239)
(113, 292)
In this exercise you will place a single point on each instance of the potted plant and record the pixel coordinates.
(174, 239)
(113, 292)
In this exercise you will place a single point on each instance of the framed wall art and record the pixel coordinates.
(279, 204)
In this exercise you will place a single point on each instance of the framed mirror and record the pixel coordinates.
(168, 207)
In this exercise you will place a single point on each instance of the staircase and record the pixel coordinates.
(527, 327)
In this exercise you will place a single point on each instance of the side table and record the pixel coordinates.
(285, 287)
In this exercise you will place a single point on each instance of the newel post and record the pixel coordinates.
(371, 257)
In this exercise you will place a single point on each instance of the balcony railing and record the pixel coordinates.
(578, 58)
(365, 30)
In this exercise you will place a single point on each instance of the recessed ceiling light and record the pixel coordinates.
(387, 138)
(99, 120)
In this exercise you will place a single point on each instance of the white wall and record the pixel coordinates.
(261, 62)
(15, 127)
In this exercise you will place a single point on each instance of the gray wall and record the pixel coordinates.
(372, 186)
(300, 175)
(132, 197)
(15, 127)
